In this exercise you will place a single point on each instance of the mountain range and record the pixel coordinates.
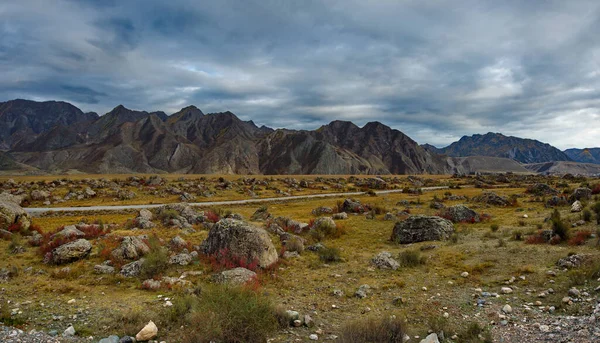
(57, 137)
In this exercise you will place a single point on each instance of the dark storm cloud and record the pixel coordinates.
(435, 70)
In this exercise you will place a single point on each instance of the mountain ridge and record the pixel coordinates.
(191, 141)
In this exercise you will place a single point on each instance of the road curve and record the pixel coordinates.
(212, 203)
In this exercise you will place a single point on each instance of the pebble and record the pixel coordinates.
(313, 337)
(464, 274)
(506, 290)
(507, 309)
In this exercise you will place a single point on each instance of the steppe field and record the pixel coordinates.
(490, 258)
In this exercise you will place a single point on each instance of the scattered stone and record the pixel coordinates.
(507, 309)
(132, 269)
(340, 216)
(464, 274)
(384, 260)
(182, 259)
(432, 338)
(460, 214)
(506, 290)
(69, 332)
(110, 339)
(362, 291)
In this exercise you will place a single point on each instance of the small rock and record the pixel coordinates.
(464, 274)
(506, 290)
(147, 333)
(507, 309)
(313, 337)
(432, 338)
(69, 332)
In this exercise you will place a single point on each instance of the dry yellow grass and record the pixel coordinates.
(305, 284)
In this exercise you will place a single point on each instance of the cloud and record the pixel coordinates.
(434, 71)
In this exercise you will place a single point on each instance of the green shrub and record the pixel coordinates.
(156, 261)
(494, 227)
(373, 330)
(411, 258)
(330, 254)
(559, 228)
(294, 244)
(517, 235)
(587, 215)
(167, 214)
(227, 314)
(596, 209)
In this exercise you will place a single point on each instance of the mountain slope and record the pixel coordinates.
(497, 145)
(587, 155)
(21, 121)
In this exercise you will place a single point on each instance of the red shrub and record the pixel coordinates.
(93, 231)
(35, 227)
(580, 238)
(555, 240)
(535, 239)
(596, 189)
(15, 227)
(211, 216)
(224, 260)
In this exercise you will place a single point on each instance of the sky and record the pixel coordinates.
(435, 70)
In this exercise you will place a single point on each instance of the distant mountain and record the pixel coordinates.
(496, 144)
(57, 137)
(564, 167)
(587, 155)
(21, 121)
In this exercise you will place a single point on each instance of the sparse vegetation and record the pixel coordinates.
(373, 329)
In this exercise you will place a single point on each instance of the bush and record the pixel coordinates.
(596, 209)
(517, 235)
(559, 228)
(580, 238)
(411, 258)
(294, 244)
(373, 330)
(494, 227)
(587, 215)
(156, 261)
(324, 230)
(167, 214)
(329, 255)
(224, 314)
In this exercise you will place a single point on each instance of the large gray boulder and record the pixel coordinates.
(71, 252)
(583, 193)
(11, 212)
(131, 248)
(460, 214)
(69, 231)
(132, 269)
(422, 228)
(240, 240)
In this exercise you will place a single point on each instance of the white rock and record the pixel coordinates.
(464, 274)
(313, 337)
(70, 331)
(544, 328)
(507, 309)
(432, 338)
(147, 333)
(506, 290)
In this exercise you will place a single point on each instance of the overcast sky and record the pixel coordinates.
(435, 70)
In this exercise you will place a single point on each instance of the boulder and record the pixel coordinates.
(261, 214)
(324, 224)
(181, 259)
(147, 333)
(540, 189)
(340, 216)
(132, 269)
(577, 206)
(146, 214)
(321, 210)
(353, 206)
(104, 269)
(70, 231)
(38, 195)
(384, 260)
(131, 248)
(432, 338)
(491, 198)
(177, 243)
(241, 240)
(236, 276)
(460, 214)
(422, 228)
(12, 213)
(70, 252)
(583, 193)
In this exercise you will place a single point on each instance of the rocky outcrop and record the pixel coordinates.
(131, 248)
(240, 240)
(71, 252)
(422, 228)
(12, 213)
